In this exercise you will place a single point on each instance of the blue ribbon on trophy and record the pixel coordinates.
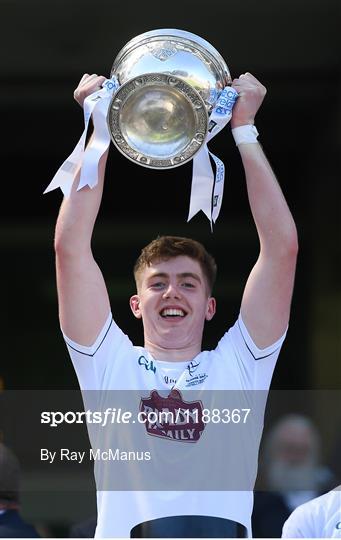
(160, 108)
(207, 188)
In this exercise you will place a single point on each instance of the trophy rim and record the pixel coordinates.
(151, 162)
(183, 36)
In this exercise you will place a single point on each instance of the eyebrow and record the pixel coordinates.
(181, 275)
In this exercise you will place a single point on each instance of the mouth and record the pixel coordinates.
(173, 313)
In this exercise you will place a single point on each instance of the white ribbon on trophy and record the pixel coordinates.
(207, 188)
(87, 160)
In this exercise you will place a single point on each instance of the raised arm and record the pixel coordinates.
(82, 294)
(267, 296)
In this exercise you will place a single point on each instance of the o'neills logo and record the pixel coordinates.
(171, 417)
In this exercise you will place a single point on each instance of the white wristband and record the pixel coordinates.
(245, 134)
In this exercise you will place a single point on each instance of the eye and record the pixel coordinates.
(188, 285)
(158, 285)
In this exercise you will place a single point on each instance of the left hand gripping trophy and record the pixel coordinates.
(168, 94)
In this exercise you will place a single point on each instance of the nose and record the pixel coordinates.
(172, 291)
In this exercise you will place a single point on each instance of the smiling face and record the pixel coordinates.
(173, 301)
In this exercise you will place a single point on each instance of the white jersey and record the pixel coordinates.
(114, 363)
(318, 518)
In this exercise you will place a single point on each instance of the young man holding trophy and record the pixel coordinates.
(174, 278)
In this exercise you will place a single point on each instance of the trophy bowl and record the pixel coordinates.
(169, 83)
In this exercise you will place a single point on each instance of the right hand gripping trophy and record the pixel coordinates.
(168, 95)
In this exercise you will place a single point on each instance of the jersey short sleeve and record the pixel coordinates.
(255, 366)
(93, 364)
(299, 524)
(318, 518)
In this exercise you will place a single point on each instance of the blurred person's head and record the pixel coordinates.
(292, 454)
(9, 478)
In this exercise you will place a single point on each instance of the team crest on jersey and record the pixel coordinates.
(173, 419)
(192, 367)
(194, 377)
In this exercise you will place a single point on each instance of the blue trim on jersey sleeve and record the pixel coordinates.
(258, 354)
(92, 349)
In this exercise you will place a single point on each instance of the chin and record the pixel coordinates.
(177, 339)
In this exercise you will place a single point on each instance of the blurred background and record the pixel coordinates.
(293, 48)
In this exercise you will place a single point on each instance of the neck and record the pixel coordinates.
(172, 355)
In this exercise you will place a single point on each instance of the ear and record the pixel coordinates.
(211, 308)
(135, 306)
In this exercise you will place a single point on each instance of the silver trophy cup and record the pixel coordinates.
(169, 83)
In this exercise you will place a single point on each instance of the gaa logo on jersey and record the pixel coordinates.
(172, 418)
(195, 378)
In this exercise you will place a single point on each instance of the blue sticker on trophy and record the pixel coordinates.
(110, 84)
(226, 101)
